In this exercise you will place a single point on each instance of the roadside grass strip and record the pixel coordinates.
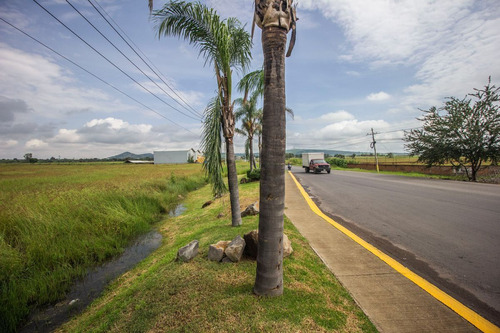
(466, 313)
(163, 295)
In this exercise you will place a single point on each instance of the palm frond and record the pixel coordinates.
(252, 82)
(211, 144)
(222, 41)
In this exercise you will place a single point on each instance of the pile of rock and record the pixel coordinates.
(231, 251)
(227, 251)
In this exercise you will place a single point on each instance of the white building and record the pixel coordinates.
(175, 157)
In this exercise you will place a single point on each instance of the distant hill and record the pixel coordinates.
(131, 156)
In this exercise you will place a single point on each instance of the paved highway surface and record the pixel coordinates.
(446, 231)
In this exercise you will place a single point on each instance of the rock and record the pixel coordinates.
(251, 210)
(226, 260)
(235, 249)
(188, 252)
(74, 301)
(208, 203)
(252, 243)
(216, 251)
(287, 246)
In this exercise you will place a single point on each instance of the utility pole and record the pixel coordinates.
(372, 145)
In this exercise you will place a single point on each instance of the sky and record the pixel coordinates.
(356, 65)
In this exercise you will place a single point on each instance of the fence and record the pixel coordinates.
(444, 170)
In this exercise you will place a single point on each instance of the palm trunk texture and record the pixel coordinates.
(269, 277)
(232, 179)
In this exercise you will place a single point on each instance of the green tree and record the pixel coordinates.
(464, 132)
(225, 45)
(276, 18)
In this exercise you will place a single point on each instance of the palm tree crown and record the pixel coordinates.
(225, 45)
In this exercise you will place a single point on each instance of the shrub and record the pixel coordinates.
(254, 175)
(295, 161)
(338, 162)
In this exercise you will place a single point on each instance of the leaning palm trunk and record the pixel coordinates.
(275, 17)
(228, 128)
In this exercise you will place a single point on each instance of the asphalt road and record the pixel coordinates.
(448, 232)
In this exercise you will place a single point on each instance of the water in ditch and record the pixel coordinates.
(93, 284)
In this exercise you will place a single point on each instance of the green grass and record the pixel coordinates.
(58, 220)
(162, 295)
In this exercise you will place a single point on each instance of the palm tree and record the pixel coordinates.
(276, 18)
(250, 124)
(253, 83)
(225, 45)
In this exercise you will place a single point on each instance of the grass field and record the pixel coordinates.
(57, 220)
(162, 295)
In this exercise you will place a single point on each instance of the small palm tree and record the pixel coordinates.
(250, 123)
(253, 83)
(225, 45)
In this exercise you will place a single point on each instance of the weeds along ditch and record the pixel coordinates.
(56, 221)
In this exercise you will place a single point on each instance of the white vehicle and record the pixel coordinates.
(315, 162)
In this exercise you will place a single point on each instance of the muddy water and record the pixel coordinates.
(93, 284)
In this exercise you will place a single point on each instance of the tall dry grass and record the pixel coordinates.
(58, 220)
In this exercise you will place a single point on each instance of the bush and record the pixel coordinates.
(338, 162)
(254, 175)
(295, 161)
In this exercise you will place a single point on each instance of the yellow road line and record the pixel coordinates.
(466, 313)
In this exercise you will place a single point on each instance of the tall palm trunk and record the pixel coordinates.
(232, 175)
(232, 179)
(269, 278)
(228, 127)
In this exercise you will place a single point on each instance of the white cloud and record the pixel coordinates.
(380, 96)
(35, 143)
(452, 44)
(8, 143)
(48, 89)
(350, 128)
(392, 31)
(343, 131)
(66, 136)
(114, 131)
(336, 116)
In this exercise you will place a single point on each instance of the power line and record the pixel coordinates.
(103, 56)
(92, 74)
(133, 49)
(133, 63)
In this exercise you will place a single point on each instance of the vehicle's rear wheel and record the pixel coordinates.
(307, 170)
